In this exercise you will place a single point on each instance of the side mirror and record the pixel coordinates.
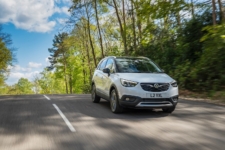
(163, 70)
(106, 70)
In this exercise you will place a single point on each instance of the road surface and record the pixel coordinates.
(58, 122)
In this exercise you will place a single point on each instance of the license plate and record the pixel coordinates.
(154, 95)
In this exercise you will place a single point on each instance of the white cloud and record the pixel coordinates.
(31, 15)
(47, 60)
(61, 21)
(68, 2)
(65, 10)
(28, 75)
(34, 65)
(15, 76)
(17, 72)
(19, 68)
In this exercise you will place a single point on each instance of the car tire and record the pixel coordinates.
(168, 110)
(94, 96)
(114, 102)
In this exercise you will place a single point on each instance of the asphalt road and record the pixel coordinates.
(32, 122)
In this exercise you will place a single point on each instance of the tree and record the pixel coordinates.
(85, 7)
(167, 31)
(35, 82)
(6, 55)
(222, 16)
(214, 12)
(59, 56)
(24, 86)
(5, 60)
(98, 25)
(46, 82)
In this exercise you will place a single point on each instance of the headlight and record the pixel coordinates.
(174, 84)
(128, 83)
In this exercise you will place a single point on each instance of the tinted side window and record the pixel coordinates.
(110, 65)
(102, 66)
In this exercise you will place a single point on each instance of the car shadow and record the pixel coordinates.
(128, 113)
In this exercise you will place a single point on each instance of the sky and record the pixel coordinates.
(32, 25)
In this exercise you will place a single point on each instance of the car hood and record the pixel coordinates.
(146, 77)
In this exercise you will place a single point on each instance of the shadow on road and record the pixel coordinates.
(31, 122)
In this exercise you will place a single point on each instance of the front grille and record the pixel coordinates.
(155, 103)
(154, 100)
(155, 87)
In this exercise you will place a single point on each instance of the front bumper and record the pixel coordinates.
(129, 101)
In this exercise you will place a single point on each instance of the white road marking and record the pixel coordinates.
(47, 97)
(64, 118)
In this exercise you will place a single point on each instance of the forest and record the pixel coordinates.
(186, 38)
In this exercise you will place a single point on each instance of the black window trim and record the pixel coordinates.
(114, 64)
(102, 62)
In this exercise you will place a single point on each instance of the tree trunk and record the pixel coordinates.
(125, 29)
(121, 27)
(64, 70)
(89, 35)
(89, 62)
(133, 25)
(99, 31)
(192, 9)
(88, 56)
(222, 17)
(214, 12)
(139, 26)
(70, 82)
(83, 58)
(178, 19)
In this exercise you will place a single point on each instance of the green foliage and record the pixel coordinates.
(4, 89)
(46, 82)
(186, 47)
(86, 88)
(211, 65)
(203, 69)
(6, 55)
(24, 86)
(5, 60)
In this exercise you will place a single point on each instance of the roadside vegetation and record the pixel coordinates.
(186, 38)
(6, 58)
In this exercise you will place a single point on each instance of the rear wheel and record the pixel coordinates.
(94, 96)
(114, 103)
(169, 110)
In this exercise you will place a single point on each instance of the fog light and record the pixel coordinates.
(175, 99)
(130, 99)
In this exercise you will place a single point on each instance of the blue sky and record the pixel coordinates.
(32, 25)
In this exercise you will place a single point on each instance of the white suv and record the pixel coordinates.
(133, 82)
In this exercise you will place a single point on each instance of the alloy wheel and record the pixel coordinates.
(113, 101)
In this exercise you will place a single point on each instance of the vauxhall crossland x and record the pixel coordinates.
(133, 82)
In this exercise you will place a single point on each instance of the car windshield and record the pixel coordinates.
(136, 65)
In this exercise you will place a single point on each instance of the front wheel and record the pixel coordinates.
(169, 110)
(94, 96)
(114, 103)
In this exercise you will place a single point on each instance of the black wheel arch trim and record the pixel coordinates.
(114, 86)
(97, 92)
